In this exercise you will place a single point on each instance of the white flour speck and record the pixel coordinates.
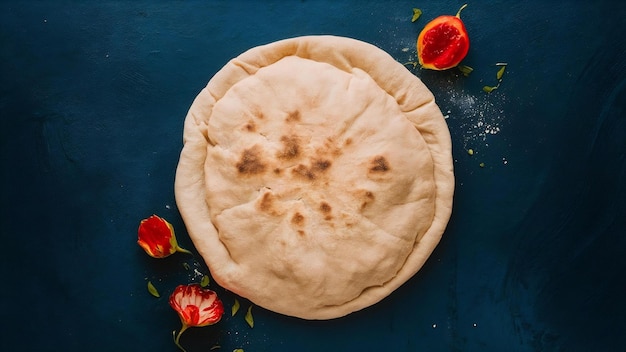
(197, 273)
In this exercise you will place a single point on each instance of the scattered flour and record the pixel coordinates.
(473, 116)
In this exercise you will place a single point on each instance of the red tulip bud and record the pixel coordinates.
(157, 238)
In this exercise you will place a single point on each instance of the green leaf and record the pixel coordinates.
(238, 350)
(489, 89)
(153, 291)
(481, 164)
(416, 14)
(465, 70)
(205, 281)
(249, 319)
(235, 308)
(470, 151)
(500, 72)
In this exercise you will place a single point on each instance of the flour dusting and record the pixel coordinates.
(476, 115)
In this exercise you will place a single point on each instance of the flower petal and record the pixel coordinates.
(196, 306)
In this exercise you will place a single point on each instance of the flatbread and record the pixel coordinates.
(316, 175)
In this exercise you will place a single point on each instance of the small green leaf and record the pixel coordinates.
(470, 151)
(416, 14)
(238, 350)
(153, 291)
(465, 70)
(481, 164)
(489, 89)
(249, 319)
(235, 308)
(500, 72)
(205, 281)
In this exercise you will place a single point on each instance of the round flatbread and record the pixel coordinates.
(316, 175)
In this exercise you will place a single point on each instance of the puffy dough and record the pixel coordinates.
(316, 175)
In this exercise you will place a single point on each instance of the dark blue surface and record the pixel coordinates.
(92, 101)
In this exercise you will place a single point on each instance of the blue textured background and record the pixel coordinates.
(92, 101)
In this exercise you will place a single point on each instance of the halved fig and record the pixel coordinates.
(443, 42)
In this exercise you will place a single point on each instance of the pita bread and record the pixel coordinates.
(316, 175)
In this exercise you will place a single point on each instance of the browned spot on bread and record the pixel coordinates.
(348, 142)
(250, 162)
(367, 198)
(321, 164)
(304, 172)
(328, 149)
(379, 164)
(268, 205)
(325, 207)
(277, 171)
(293, 116)
(266, 202)
(297, 219)
(258, 114)
(291, 148)
(332, 149)
(301, 233)
(250, 126)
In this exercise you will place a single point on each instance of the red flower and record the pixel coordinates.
(196, 307)
(157, 238)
